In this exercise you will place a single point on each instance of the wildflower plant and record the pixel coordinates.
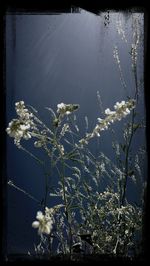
(94, 214)
(85, 214)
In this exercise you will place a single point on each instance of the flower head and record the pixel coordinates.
(18, 130)
(44, 223)
(66, 109)
(121, 110)
(21, 127)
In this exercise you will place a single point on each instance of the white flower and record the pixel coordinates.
(44, 223)
(38, 144)
(18, 130)
(99, 120)
(117, 105)
(21, 127)
(24, 127)
(127, 111)
(61, 107)
(35, 224)
(66, 109)
(97, 134)
(61, 149)
(27, 135)
(68, 112)
(107, 111)
(19, 103)
(65, 128)
(121, 110)
(39, 216)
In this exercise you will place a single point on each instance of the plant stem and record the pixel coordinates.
(122, 202)
(66, 204)
(127, 159)
(46, 189)
(32, 155)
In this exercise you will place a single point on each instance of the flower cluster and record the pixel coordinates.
(61, 149)
(121, 110)
(21, 127)
(66, 109)
(45, 222)
(65, 129)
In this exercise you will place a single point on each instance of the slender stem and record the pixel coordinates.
(116, 245)
(63, 185)
(32, 155)
(127, 159)
(122, 202)
(46, 190)
(23, 191)
(66, 204)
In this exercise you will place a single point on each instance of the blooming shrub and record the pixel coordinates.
(87, 220)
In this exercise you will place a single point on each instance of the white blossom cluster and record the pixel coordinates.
(64, 129)
(66, 109)
(108, 195)
(62, 109)
(22, 126)
(132, 215)
(122, 109)
(44, 223)
(61, 149)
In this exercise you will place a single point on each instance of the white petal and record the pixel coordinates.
(23, 127)
(47, 229)
(99, 120)
(107, 111)
(123, 102)
(37, 144)
(68, 113)
(35, 224)
(39, 215)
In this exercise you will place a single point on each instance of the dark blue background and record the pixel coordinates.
(61, 58)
